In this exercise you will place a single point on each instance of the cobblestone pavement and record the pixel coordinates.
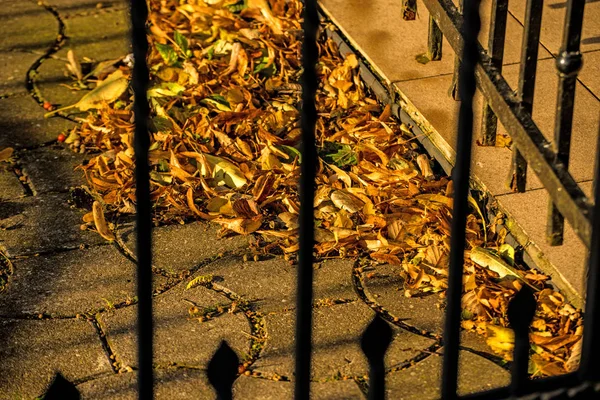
(69, 304)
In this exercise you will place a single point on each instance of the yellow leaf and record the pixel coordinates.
(107, 91)
(224, 171)
(200, 280)
(501, 340)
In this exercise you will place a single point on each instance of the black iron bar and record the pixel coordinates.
(521, 310)
(374, 343)
(222, 371)
(562, 188)
(409, 10)
(461, 178)
(308, 118)
(139, 15)
(529, 56)
(434, 41)
(568, 64)
(496, 52)
(454, 92)
(590, 354)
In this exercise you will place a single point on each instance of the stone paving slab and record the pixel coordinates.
(71, 8)
(22, 123)
(52, 169)
(179, 339)
(386, 288)
(336, 348)
(169, 384)
(109, 42)
(13, 71)
(26, 26)
(70, 282)
(422, 381)
(197, 242)
(427, 313)
(42, 223)
(10, 186)
(265, 389)
(33, 351)
(254, 281)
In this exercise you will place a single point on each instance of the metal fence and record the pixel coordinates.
(476, 67)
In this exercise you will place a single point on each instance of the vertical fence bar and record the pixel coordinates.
(222, 371)
(139, 15)
(461, 178)
(308, 118)
(520, 314)
(454, 91)
(409, 10)
(529, 55)
(374, 343)
(568, 64)
(590, 354)
(434, 41)
(496, 52)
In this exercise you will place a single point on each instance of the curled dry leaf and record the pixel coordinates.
(347, 201)
(425, 167)
(243, 226)
(100, 222)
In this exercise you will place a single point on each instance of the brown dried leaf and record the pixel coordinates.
(243, 226)
(347, 201)
(100, 222)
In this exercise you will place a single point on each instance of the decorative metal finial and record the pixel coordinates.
(62, 389)
(374, 343)
(223, 370)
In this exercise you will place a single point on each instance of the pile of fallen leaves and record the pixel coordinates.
(224, 147)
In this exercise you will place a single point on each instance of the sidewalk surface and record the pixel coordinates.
(392, 46)
(69, 301)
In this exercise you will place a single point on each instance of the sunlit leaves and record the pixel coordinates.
(225, 95)
(167, 52)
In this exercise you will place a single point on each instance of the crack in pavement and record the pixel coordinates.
(108, 351)
(364, 294)
(30, 77)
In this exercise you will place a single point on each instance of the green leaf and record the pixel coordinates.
(218, 101)
(237, 7)
(163, 166)
(341, 155)
(292, 152)
(265, 70)
(182, 42)
(161, 124)
(167, 53)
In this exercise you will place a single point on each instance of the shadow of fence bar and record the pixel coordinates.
(477, 67)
